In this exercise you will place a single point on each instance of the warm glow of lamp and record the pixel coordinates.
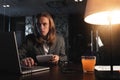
(102, 12)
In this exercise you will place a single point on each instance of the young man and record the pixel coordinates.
(44, 41)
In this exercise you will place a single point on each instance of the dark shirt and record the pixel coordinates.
(31, 48)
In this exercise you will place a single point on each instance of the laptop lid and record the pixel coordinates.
(8, 56)
(9, 59)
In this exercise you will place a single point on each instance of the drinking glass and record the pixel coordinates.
(88, 63)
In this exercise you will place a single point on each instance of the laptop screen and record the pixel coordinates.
(8, 56)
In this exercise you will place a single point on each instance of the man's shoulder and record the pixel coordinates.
(59, 36)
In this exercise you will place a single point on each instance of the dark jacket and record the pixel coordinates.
(31, 48)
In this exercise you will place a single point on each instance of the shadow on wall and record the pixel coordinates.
(78, 48)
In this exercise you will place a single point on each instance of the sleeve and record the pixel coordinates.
(25, 47)
(62, 54)
(22, 52)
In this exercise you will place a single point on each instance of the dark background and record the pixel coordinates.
(79, 38)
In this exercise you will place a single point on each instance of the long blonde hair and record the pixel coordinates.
(51, 36)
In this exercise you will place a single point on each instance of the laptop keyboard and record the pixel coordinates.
(32, 68)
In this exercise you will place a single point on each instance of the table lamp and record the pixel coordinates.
(102, 12)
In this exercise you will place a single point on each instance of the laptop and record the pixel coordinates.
(9, 56)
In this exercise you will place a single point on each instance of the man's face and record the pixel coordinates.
(44, 25)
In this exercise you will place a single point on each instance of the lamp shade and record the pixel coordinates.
(102, 12)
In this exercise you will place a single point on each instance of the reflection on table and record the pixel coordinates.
(69, 72)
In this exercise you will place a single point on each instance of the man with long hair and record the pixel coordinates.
(43, 41)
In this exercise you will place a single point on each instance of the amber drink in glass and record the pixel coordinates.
(88, 63)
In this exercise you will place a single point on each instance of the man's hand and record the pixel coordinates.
(55, 59)
(29, 62)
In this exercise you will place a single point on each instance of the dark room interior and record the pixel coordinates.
(20, 15)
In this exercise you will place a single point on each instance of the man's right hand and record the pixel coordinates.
(28, 62)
